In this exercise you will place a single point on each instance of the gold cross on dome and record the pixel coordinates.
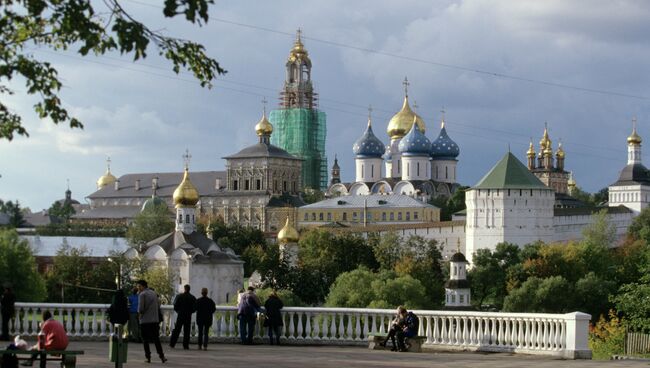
(264, 101)
(108, 163)
(406, 86)
(186, 158)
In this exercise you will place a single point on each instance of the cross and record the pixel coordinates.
(458, 245)
(369, 112)
(406, 86)
(415, 106)
(443, 113)
(68, 181)
(186, 158)
(264, 104)
(298, 35)
(634, 122)
(108, 163)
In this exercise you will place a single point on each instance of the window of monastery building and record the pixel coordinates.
(329, 216)
(258, 184)
(392, 216)
(399, 216)
(320, 216)
(345, 216)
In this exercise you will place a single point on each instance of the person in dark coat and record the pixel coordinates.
(8, 310)
(247, 309)
(118, 312)
(134, 322)
(184, 305)
(205, 309)
(273, 317)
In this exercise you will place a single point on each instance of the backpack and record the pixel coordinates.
(412, 322)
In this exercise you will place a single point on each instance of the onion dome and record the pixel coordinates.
(458, 257)
(415, 142)
(288, 234)
(572, 182)
(106, 179)
(531, 150)
(368, 145)
(444, 147)
(545, 142)
(298, 52)
(634, 138)
(560, 152)
(186, 194)
(153, 202)
(401, 123)
(263, 127)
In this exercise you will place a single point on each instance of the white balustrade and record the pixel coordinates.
(562, 335)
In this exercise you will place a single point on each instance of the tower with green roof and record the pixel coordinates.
(509, 204)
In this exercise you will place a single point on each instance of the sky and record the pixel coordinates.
(499, 68)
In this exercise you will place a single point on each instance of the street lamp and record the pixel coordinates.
(118, 277)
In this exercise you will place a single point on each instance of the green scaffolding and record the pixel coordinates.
(302, 133)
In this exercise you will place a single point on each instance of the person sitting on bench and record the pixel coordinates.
(396, 326)
(409, 329)
(51, 337)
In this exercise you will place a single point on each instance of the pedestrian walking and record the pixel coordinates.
(205, 309)
(184, 305)
(7, 309)
(149, 313)
(273, 320)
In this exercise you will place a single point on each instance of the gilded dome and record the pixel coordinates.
(263, 127)
(545, 142)
(298, 52)
(401, 123)
(106, 179)
(560, 151)
(531, 150)
(186, 193)
(288, 234)
(634, 138)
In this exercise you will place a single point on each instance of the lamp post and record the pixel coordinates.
(118, 277)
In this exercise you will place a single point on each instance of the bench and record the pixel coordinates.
(413, 344)
(68, 358)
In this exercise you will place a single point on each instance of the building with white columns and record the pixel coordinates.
(632, 189)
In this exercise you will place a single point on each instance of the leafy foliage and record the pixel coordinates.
(607, 336)
(239, 239)
(61, 212)
(312, 195)
(488, 276)
(60, 25)
(450, 205)
(148, 225)
(12, 209)
(18, 268)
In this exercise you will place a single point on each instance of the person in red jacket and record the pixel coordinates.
(51, 337)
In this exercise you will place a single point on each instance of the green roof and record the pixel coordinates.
(509, 173)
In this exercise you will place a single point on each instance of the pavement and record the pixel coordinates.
(233, 355)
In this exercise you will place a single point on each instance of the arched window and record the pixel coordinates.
(187, 219)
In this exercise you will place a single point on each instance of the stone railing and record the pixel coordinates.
(563, 335)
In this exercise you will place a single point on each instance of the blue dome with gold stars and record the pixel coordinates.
(368, 145)
(415, 143)
(443, 148)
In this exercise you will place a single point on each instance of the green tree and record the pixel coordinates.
(271, 264)
(312, 196)
(450, 205)
(59, 25)
(149, 225)
(422, 260)
(592, 295)
(161, 281)
(387, 249)
(640, 227)
(12, 209)
(239, 238)
(61, 212)
(18, 267)
(488, 276)
(549, 295)
(403, 290)
(351, 289)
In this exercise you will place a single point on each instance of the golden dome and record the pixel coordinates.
(264, 127)
(571, 182)
(634, 138)
(106, 179)
(402, 122)
(186, 193)
(545, 142)
(298, 52)
(531, 150)
(288, 234)
(560, 152)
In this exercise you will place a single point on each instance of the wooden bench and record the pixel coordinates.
(68, 358)
(413, 344)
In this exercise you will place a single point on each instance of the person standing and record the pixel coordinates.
(184, 305)
(8, 310)
(118, 312)
(134, 324)
(273, 317)
(247, 310)
(205, 309)
(148, 310)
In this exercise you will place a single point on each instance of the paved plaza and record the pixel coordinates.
(231, 355)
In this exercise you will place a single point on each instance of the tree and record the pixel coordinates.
(312, 196)
(422, 260)
(450, 205)
(12, 209)
(160, 279)
(640, 227)
(60, 25)
(61, 212)
(239, 238)
(271, 264)
(148, 225)
(18, 268)
(348, 289)
(488, 276)
(549, 295)
(387, 249)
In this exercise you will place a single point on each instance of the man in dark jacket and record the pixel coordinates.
(184, 305)
(8, 309)
(205, 309)
(247, 310)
